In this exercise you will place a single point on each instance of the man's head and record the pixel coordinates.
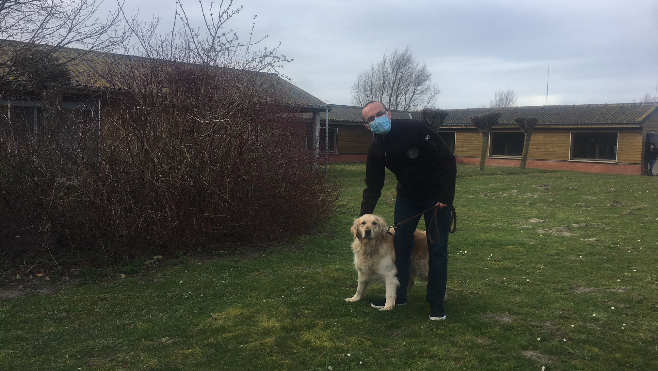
(373, 110)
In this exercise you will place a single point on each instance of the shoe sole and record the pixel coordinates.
(437, 318)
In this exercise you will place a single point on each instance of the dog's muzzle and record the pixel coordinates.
(367, 233)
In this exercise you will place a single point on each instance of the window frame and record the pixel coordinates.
(491, 144)
(454, 139)
(615, 148)
(333, 140)
(20, 127)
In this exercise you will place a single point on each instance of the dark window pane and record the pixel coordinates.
(507, 144)
(594, 146)
(333, 134)
(449, 138)
(23, 121)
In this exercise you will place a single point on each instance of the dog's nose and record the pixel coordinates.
(368, 231)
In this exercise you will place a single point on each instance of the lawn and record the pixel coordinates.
(548, 270)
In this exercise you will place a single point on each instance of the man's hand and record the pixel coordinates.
(440, 205)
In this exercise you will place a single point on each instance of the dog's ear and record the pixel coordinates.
(355, 229)
(382, 224)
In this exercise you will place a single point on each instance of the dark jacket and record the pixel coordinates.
(422, 163)
(652, 155)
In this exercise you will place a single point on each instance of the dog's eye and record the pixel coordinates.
(363, 223)
(374, 223)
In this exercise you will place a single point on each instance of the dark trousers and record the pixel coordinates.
(438, 250)
(651, 163)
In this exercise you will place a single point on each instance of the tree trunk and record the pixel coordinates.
(526, 147)
(485, 148)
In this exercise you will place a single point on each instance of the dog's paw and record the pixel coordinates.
(352, 299)
(387, 308)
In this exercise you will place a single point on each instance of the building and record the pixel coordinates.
(84, 93)
(602, 138)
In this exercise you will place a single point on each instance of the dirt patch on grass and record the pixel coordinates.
(591, 290)
(584, 290)
(538, 357)
(620, 289)
(31, 287)
(556, 231)
(505, 318)
(483, 341)
(613, 304)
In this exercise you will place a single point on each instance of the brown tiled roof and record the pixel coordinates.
(625, 114)
(588, 114)
(87, 67)
(352, 114)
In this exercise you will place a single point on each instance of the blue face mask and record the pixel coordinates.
(381, 125)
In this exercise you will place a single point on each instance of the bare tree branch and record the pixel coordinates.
(504, 98)
(484, 122)
(213, 44)
(435, 117)
(60, 23)
(35, 31)
(398, 81)
(527, 125)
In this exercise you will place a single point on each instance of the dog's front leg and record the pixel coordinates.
(361, 288)
(392, 284)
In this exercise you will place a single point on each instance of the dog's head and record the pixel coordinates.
(369, 227)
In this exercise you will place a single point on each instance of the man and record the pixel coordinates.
(652, 155)
(426, 171)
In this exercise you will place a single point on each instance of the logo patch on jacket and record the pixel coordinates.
(412, 153)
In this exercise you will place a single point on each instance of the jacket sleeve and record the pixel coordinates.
(444, 161)
(375, 175)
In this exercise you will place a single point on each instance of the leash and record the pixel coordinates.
(434, 221)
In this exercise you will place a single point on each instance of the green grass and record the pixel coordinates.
(547, 268)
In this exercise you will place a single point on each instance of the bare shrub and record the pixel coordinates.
(195, 147)
(190, 158)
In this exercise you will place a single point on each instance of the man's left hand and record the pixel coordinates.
(440, 205)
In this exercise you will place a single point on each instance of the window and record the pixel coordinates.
(21, 120)
(506, 144)
(333, 135)
(449, 138)
(594, 146)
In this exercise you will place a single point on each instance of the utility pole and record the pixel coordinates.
(547, 77)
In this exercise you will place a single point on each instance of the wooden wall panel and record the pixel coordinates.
(550, 145)
(543, 145)
(652, 123)
(630, 147)
(468, 144)
(353, 139)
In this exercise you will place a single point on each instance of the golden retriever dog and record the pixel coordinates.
(374, 257)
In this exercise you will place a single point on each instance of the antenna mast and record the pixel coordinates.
(547, 77)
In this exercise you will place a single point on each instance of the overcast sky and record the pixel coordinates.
(603, 51)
